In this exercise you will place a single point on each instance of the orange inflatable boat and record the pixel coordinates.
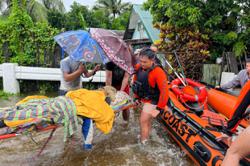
(197, 116)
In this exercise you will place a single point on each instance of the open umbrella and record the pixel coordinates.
(81, 47)
(114, 47)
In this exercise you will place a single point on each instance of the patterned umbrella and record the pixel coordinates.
(81, 47)
(114, 47)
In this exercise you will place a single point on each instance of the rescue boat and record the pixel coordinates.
(196, 116)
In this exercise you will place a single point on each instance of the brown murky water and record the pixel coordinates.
(120, 147)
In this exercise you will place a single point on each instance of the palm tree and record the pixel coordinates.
(115, 7)
(37, 9)
(54, 5)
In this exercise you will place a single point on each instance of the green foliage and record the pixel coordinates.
(39, 87)
(46, 87)
(120, 23)
(26, 41)
(36, 9)
(70, 20)
(225, 22)
(182, 14)
(76, 18)
(15, 29)
(23, 59)
(190, 46)
(55, 5)
(100, 19)
(80, 17)
(239, 48)
(90, 86)
(56, 19)
(4, 95)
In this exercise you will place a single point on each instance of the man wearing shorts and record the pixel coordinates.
(151, 88)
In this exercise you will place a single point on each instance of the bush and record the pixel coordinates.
(25, 42)
(224, 27)
(39, 87)
(49, 88)
(190, 46)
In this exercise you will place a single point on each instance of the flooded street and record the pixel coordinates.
(120, 147)
(11, 101)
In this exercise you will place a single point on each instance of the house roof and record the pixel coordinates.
(139, 14)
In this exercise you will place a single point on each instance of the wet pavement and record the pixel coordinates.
(120, 147)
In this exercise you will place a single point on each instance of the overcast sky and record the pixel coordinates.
(90, 3)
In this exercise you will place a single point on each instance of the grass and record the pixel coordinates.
(4, 95)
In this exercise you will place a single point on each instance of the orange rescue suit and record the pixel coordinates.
(157, 78)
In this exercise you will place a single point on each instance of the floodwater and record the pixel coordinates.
(120, 147)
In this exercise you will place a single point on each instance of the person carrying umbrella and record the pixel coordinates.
(151, 88)
(119, 79)
(120, 55)
(81, 48)
(71, 74)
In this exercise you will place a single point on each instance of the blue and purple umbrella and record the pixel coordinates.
(81, 47)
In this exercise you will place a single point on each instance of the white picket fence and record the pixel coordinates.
(11, 73)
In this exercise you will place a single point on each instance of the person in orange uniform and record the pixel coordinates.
(150, 87)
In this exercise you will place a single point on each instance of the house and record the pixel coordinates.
(140, 30)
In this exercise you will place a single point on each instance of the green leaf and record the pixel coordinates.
(239, 48)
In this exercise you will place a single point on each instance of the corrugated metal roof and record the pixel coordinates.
(147, 21)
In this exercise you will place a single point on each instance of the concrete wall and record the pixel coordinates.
(11, 73)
